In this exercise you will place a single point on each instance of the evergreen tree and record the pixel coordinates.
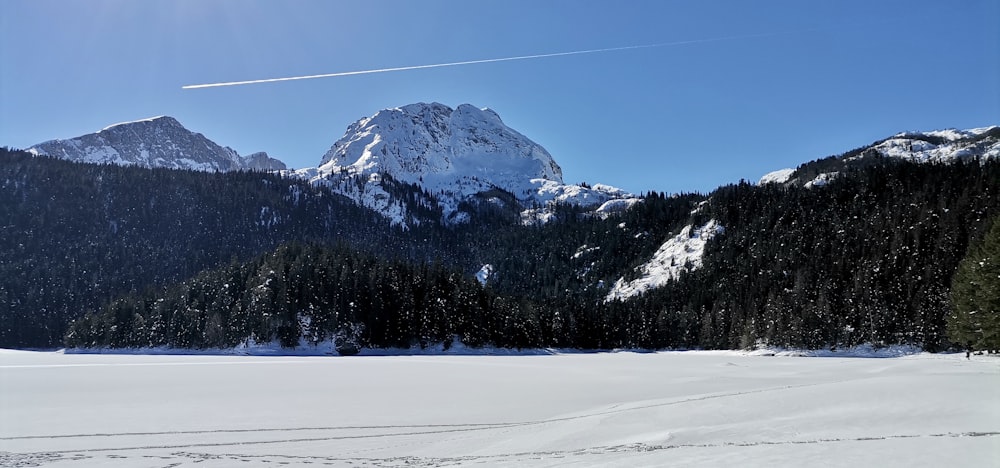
(975, 294)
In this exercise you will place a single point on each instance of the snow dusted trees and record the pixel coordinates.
(309, 293)
(975, 294)
(74, 236)
(867, 258)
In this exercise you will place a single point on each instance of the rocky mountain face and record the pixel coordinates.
(440, 147)
(156, 142)
(453, 155)
(261, 161)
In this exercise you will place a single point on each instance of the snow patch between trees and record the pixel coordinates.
(677, 255)
(484, 274)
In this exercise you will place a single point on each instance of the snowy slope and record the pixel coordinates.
(776, 177)
(155, 142)
(677, 255)
(821, 179)
(453, 154)
(940, 146)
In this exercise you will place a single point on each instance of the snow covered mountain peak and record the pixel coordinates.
(441, 148)
(454, 154)
(154, 142)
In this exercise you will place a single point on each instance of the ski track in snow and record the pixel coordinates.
(41, 458)
(439, 428)
(392, 445)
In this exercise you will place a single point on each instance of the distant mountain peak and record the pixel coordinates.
(160, 120)
(939, 146)
(453, 153)
(950, 134)
(153, 142)
(438, 146)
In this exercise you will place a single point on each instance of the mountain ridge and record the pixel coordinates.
(425, 162)
(921, 147)
(155, 142)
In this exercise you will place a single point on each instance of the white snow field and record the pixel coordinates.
(610, 409)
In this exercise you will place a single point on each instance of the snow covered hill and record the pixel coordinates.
(453, 155)
(154, 142)
(934, 146)
(942, 145)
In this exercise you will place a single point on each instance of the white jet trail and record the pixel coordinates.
(492, 60)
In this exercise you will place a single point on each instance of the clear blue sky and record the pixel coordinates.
(833, 76)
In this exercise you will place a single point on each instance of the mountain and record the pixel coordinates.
(920, 147)
(453, 156)
(160, 142)
(412, 164)
(261, 161)
(849, 249)
(442, 148)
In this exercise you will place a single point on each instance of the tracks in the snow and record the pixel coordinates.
(174, 459)
(182, 449)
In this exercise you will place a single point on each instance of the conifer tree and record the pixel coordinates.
(975, 295)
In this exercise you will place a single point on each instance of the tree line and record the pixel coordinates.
(868, 258)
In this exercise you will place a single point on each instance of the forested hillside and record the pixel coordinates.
(869, 257)
(73, 236)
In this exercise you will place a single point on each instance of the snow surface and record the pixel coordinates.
(822, 179)
(484, 274)
(776, 177)
(950, 134)
(677, 255)
(713, 408)
(956, 144)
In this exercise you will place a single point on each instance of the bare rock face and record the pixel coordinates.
(454, 154)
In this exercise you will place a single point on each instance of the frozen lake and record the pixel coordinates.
(614, 409)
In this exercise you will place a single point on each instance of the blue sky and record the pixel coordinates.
(797, 81)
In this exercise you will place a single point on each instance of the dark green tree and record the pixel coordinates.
(975, 295)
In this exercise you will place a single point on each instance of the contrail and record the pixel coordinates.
(492, 60)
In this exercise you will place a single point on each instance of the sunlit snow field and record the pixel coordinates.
(611, 409)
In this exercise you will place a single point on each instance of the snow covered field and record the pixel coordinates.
(613, 409)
